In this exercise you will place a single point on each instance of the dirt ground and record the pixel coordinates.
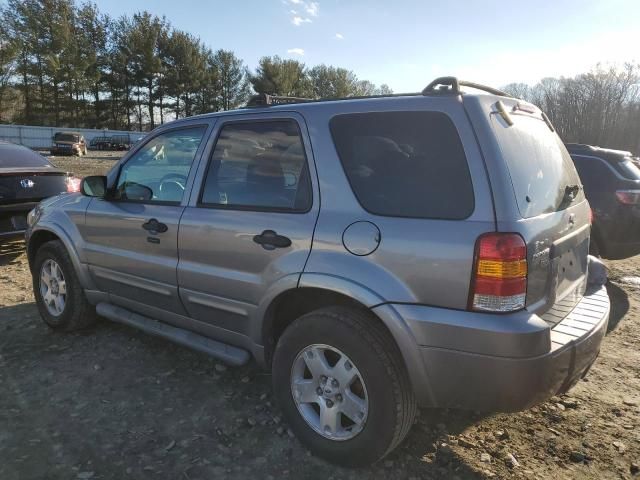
(113, 403)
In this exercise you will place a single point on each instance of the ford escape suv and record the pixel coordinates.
(376, 254)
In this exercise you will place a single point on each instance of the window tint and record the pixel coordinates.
(405, 164)
(158, 172)
(18, 156)
(259, 165)
(541, 169)
(629, 170)
(594, 173)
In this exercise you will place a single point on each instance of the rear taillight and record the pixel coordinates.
(499, 282)
(73, 184)
(628, 197)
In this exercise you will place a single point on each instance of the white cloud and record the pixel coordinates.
(313, 8)
(339, 36)
(295, 51)
(297, 21)
(302, 11)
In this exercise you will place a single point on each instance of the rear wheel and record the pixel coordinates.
(342, 385)
(59, 295)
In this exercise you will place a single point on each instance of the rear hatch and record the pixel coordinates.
(545, 205)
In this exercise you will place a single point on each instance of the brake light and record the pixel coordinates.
(628, 197)
(499, 282)
(73, 184)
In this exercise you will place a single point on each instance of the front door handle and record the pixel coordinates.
(271, 240)
(154, 226)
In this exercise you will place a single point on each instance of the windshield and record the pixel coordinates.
(66, 137)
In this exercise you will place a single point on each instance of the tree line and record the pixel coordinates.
(67, 64)
(601, 107)
(64, 63)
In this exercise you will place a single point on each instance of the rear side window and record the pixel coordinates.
(405, 164)
(541, 169)
(629, 170)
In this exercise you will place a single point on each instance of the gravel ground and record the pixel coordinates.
(113, 403)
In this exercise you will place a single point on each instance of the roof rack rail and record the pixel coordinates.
(266, 100)
(452, 85)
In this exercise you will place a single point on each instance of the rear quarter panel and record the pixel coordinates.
(418, 260)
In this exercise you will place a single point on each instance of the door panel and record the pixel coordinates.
(132, 237)
(257, 184)
(128, 261)
(223, 273)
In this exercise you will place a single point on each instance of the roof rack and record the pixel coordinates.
(265, 100)
(452, 85)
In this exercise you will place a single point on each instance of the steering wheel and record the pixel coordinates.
(176, 179)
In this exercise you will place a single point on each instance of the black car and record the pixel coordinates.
(26, 177)
(611, 181)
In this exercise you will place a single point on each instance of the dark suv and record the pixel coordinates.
(376, 254)
(611, 182)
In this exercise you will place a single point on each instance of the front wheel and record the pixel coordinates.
(59, 295)
(343, 387)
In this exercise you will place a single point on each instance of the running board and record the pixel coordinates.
(227, 353)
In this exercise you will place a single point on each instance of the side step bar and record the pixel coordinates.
(227, 353)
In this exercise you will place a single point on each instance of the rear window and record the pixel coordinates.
(541, 169)
(66, 137)
(21, 157)
(405, 164)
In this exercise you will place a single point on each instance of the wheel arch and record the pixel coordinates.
(49, 233)
(316, 291)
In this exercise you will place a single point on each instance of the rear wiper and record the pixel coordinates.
(570, 193)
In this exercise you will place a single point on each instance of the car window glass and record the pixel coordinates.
(18, 156)
(629, 170)
(539, 164)
(405, 164)
(259, 165)
(593, 172)
(158, 171)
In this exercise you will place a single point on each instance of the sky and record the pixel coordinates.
(407, 43)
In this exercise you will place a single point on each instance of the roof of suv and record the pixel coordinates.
(442, 86)
(608, 154)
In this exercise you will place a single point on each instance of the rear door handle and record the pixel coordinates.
(154, 226)
(271, 240)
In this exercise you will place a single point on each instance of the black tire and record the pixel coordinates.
(78, 313)
(392, 405)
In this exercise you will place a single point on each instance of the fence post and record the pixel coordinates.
(20, 135)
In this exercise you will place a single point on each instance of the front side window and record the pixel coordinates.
(405, 164)
(258, 166)
(158, 171)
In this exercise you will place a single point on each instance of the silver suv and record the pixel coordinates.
(375, 254)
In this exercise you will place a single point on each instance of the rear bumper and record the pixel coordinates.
(466, 378)
(13, 219)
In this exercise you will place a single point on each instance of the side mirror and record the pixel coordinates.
(94, 186)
